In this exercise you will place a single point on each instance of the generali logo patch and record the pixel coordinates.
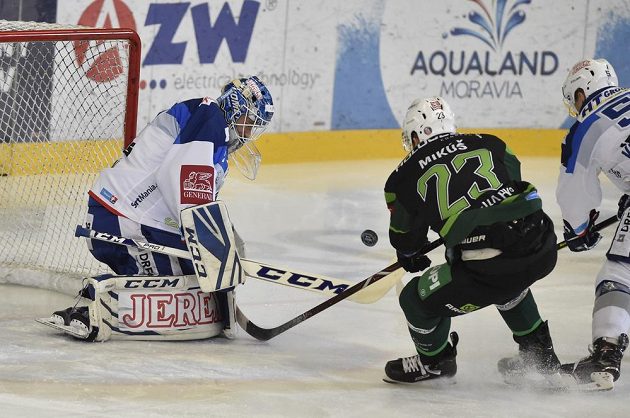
(197, 184)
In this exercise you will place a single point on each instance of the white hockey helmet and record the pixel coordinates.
(588, 75)
(427, 117)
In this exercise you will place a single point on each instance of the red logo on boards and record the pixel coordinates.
(196, 184)
(103, 14)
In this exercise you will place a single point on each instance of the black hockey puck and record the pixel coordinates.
(369, 237)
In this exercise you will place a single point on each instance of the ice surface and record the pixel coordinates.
(308, 217)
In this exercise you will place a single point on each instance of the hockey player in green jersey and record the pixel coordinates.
(468, 189)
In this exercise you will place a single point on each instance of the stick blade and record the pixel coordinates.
(252, 329)
(379, 289)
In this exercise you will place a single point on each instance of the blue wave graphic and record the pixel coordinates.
(359, 98)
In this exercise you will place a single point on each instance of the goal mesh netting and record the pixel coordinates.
(68, 102)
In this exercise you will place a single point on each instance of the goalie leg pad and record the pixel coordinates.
(146, 308)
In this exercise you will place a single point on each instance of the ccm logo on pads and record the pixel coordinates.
(196, 184)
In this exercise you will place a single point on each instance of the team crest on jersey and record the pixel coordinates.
(197, 184)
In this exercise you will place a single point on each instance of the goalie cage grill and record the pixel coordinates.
(68, 104)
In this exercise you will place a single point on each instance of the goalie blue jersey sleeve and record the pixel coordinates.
(178, 160)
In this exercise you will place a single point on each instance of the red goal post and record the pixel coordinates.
(68, 105)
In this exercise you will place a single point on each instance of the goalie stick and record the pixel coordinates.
(265, 334)
(261, 271)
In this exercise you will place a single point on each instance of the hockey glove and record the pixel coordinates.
(413, 263)
(624, 203)
(587, 239)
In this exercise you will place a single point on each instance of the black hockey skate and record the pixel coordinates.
(72, 321)
(605, 358)
(535, 354)
(62, 317)
(419, 368)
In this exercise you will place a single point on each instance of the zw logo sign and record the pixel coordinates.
(102, 61)
(209, 37)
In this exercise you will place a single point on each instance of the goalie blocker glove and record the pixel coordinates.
(585, 240)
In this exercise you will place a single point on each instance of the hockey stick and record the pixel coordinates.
(306, 281)
(597, 227)
(265, 334)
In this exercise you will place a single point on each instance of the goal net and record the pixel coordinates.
(68, 103)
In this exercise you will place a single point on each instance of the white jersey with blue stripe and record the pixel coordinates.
(599, 141)
(178, 160)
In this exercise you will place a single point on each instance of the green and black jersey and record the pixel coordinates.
(454, 183)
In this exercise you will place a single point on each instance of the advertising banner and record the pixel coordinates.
(357, 64)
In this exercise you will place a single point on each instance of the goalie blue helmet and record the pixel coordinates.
(248, 109)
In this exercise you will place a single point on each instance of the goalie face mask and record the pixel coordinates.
(247, 159)
(248, 109)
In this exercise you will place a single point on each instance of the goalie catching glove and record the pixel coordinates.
(585, 240)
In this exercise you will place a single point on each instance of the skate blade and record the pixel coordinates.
(66, 329)
(442, 381)
(600, 381)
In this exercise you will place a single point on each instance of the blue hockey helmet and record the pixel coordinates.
(248, 108)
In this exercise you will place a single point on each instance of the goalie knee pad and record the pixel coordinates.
(146, 308)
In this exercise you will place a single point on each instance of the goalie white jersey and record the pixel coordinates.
(177, 161)
(599, 141)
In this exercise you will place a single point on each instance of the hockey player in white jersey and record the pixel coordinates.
(179, 160)
(599, 141)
